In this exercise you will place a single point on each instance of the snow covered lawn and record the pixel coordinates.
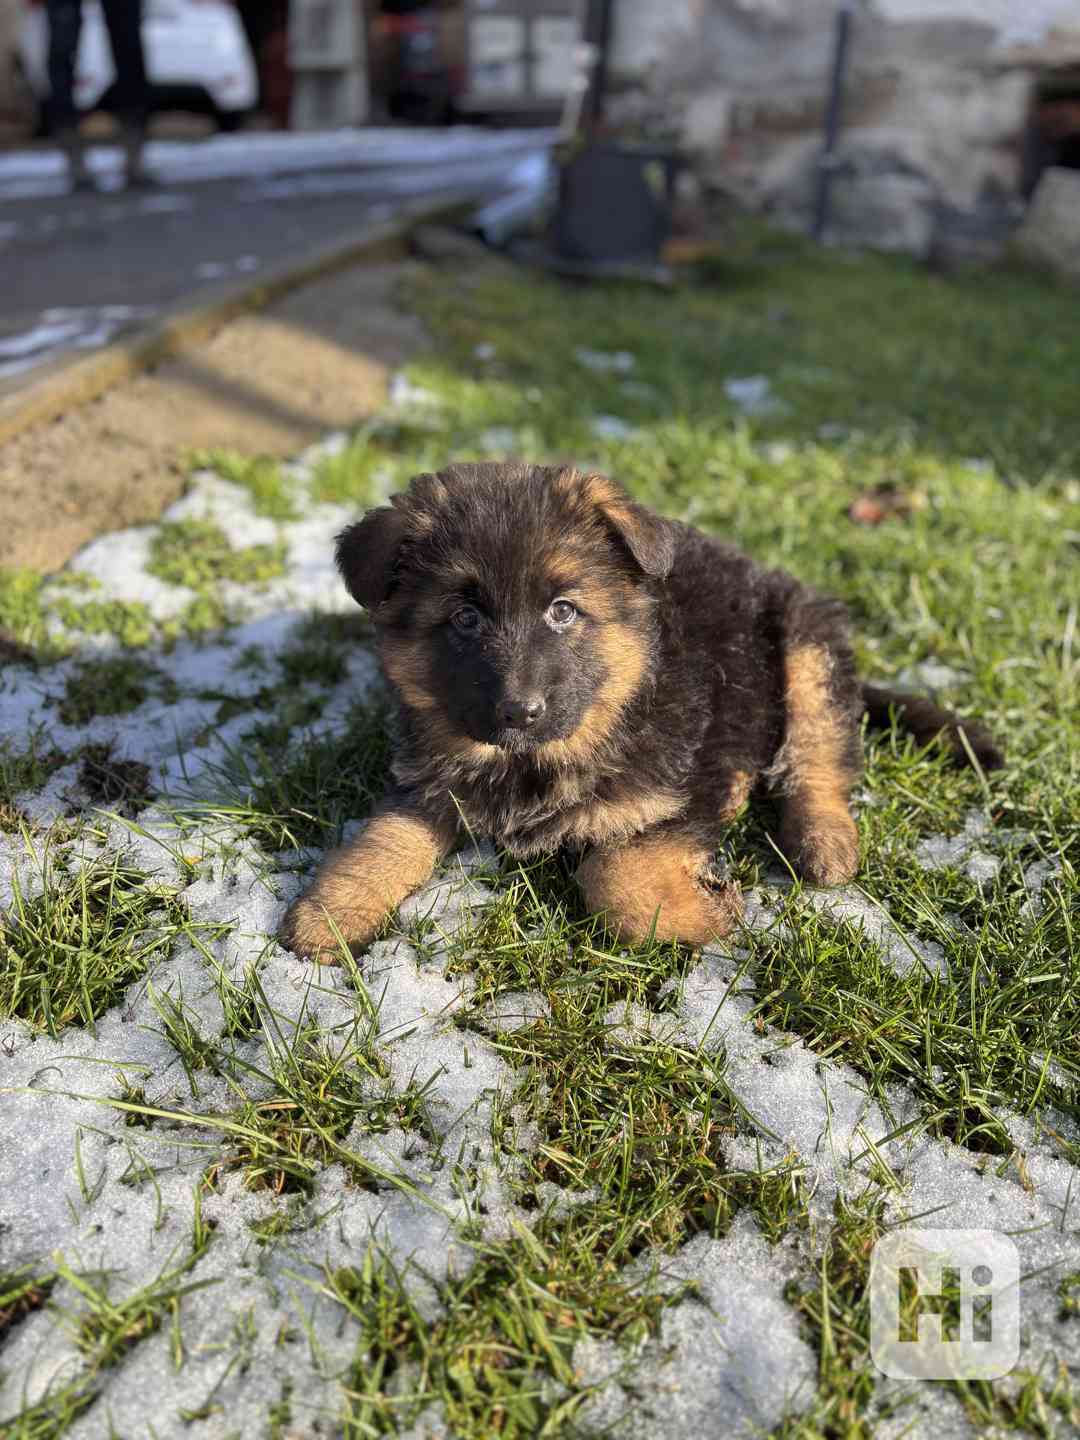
(494, 1177)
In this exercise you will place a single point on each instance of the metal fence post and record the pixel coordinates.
(827, 161)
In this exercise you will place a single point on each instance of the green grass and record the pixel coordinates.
(315, 1092)
(350, 475)
(21, 1293)
(67, 954)
(836, 1315)
(289, 795)
(499, 1361)
(890, 377)
(128, 621)
(23, 770)
(1008, 1036)
(113, 685)
(318, 662)
(640, 1124)
(980, 365)
(260, 475)
(316, 658)
(28, 599)
(107, 782)
(920, 377)
(197, 554)
(104, 1328)
(22, 623)
(321, 1091)
(1069, 1294)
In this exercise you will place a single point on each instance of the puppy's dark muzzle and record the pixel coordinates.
(520, 714)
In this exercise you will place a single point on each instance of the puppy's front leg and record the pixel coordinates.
(359, 885)
(658, 885)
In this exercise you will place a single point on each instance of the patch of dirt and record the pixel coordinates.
(120, 785)
(269, 384)
(12, 651)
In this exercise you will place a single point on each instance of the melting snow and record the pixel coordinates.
(733, 1354)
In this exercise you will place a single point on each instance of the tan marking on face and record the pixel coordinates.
(817, 831)
(457, 745)
(624, 653)
(652, 886)
(600, 601)
(597, 601)
(405, 663)
(358, 885)
(568, 564)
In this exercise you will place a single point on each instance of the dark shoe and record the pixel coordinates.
(78, 171)
(138, 177)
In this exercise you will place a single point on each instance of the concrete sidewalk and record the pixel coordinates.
(268, 382)
(80, 270)
(409, 155)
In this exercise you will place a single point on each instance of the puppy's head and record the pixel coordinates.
(513, 603)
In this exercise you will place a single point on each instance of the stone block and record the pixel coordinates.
(1050, 233)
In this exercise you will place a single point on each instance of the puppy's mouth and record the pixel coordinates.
(518, 742)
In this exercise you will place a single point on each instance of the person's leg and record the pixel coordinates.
(65, 23)
(123, 18)
(257, 18)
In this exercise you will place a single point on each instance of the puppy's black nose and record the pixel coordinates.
(520, 714)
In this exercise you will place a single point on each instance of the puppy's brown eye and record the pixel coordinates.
(467, 619)
(561, 614)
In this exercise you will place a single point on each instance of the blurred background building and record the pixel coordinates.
(328, 63)
(953, 108)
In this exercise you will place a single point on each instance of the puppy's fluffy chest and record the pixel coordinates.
(530, 809)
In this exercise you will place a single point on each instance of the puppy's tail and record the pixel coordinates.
(925, 720)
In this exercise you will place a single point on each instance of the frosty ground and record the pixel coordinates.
(495, 1176)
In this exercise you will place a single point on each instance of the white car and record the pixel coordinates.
(197, 58)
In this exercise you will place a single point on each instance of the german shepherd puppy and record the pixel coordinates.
(573, 670)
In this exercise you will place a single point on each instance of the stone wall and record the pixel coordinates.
(937, 102)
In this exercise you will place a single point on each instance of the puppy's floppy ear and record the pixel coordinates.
(649, 537)
(366, 553)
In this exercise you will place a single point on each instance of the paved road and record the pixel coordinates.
(80, 269)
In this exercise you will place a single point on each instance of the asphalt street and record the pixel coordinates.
(76, 270)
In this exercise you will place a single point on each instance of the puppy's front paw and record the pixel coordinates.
(694, 912)
(710, 912)
(824, 849)
(306, 931)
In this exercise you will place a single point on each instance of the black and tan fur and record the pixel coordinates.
(687, 676)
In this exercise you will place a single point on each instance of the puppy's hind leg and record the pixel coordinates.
(658, 885)
(818, 765)
(361, 883)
